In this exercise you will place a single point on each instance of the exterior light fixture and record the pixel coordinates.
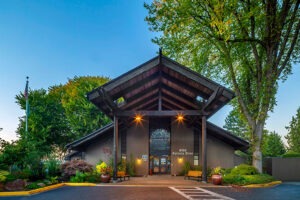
(180, 160)
(139, 161)
(138, 119)
(180, 118)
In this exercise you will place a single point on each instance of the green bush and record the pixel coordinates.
(233, 179)
(25, 174)
(247, 179)
(78, 178)
(258, 178)
(244, 169)
(291, 154)
(226, 171)
(92, 177)
(52, 167)
(71, 167)
(53, 179)
(130, 166)
(185, 168)
(3, 175)
(33, 185)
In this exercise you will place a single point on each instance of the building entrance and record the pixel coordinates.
(160, 146)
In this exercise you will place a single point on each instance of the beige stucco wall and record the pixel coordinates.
(102, 149)
(182, 146)
(219, 153)
(138, 145)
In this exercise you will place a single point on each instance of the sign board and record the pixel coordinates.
(144, 157)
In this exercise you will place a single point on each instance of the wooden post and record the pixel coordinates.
(204, 150)
(116, 139)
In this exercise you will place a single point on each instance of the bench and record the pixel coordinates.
(122, 175)
(194, 174)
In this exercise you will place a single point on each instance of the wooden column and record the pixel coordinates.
(204, 150)
(116, 139)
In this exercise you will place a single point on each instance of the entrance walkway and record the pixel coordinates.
(164, 180)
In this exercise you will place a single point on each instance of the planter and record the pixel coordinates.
(216, 179)
(105, 178)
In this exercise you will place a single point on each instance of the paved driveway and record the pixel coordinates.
(286, 191)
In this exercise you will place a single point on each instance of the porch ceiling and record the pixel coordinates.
(160, 84)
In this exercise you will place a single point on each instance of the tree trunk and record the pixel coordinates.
(257, 139)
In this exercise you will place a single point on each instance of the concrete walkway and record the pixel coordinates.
(163, 180)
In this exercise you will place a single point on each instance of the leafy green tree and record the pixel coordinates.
(272, 144)
(236, 125)
(293, 135)
(249, 45)
(83, 117)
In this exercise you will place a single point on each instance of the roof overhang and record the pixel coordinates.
(160, 87)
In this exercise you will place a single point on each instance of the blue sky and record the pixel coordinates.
(51, 41)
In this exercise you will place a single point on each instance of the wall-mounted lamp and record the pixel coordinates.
(180, 160)
(139, 161)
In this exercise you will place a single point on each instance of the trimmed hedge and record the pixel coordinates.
(244, 169)
(247, 179)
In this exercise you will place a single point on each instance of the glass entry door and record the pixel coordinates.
(160, 164)
(160, 146)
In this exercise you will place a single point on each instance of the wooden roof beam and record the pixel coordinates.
(139, 99)
(162, 113)
(173, 103)
(213, 98)
(179, 98)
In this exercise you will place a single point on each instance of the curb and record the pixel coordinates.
(44, 189)
(263, 185)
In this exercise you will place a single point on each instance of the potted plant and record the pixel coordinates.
(216, 176)
(104, 170)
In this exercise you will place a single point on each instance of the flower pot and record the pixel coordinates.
(105, 178)
(216, 179)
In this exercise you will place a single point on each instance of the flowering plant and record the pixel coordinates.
(103, 168)
(217, 170)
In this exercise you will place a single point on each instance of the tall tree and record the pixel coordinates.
(249, 45)
(293, 136)
(83, 116)
(236, 125)
(272, 144)
(61, 114)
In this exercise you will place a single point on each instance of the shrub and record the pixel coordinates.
(78, 178)
(33, 186)
(258, 178)
(24, 174)
(92, 178)
(216, 170)
(233, 179)
(102, 168)
(244, 169)
(53, 179)
(185, 168)
(226, 171)
(291, 154)
(130, 166)
(52, 167)
(3, 175)
(247, 179)
(69, 168)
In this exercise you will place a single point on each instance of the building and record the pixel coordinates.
(159, 111)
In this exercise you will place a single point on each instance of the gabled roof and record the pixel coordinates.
(212, 130)
(161, 84)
